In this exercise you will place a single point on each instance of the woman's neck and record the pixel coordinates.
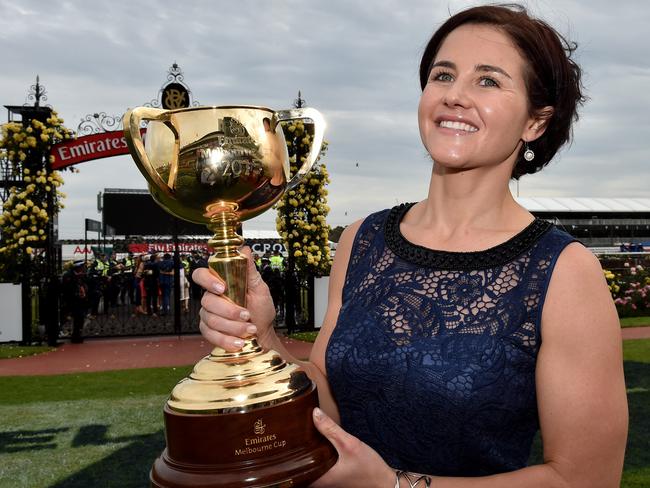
(461, 203)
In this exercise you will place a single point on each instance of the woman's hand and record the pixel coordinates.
(224, 323)
(358, 464)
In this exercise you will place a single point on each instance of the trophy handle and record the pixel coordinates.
(131, 121)
(317, 142)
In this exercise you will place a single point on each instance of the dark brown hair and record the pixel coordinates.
(552, 78)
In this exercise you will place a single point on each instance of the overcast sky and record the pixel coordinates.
(355, 61)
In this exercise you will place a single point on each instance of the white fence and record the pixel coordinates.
(320, 299)
(11, 323)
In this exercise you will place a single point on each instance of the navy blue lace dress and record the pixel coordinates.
(432, 361)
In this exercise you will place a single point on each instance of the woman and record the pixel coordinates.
(460, 325)
(140, 305)
(151, 280)
(185, 289)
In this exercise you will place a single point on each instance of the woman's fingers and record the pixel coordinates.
(209, 280)
(226, 326)
(222, 322)
(223, 307)
(229, 343)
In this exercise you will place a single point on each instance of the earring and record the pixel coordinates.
(529, 155)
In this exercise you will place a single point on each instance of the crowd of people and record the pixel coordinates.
(144, 282)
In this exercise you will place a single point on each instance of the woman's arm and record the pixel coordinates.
(580, 384)
(580, 389)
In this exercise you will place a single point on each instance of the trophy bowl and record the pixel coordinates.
(241, 419)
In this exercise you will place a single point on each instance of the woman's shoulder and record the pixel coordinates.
(576, 261)
(577, 293)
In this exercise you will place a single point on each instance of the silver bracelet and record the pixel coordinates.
(413, 482)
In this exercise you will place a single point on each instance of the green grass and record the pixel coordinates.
(635, 322)
(106, 428)
(637, 350)
(80, 430)
(304, 336)
(81, 443)
(9, 351)
(107, 385)
(637, 378)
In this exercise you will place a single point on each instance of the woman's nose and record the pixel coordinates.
(457, 95)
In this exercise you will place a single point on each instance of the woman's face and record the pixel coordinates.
(474, 109)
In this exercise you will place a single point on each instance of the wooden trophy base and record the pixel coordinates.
(274, 446)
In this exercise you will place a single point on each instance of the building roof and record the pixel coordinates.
(567, 204)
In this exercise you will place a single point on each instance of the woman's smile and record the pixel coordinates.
(456, 127)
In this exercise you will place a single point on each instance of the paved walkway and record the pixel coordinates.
(636, 333)
(149, 352)
(123, 353)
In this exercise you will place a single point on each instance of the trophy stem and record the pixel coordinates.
(227, 261)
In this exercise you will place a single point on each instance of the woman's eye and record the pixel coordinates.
(442, 76)
(485, 81)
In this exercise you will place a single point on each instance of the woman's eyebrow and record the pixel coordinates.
(444, 64)
(490, 68)
(484, 68)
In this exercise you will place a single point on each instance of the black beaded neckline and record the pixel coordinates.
(458, 260)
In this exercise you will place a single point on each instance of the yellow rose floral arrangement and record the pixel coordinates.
(25, 213)
(302, 212)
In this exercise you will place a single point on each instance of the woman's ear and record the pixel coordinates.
(537, 124)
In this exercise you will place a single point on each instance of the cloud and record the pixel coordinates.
(355, 61)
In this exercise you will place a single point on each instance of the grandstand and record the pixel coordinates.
(603, 224)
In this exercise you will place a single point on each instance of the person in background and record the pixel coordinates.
(138, 284)
(127, 288)
(150, 278)
(166, 270)
(185, 288)
(274, 279)
(197, 261)
(75, 293)
(95, 285)
(277, 261)
(113, 284)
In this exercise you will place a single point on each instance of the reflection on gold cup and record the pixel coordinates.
(240, 419)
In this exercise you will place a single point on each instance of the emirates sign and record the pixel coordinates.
(88, 148)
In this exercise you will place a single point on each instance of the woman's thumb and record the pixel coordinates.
(330, 429)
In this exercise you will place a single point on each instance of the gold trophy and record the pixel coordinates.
(240, 419)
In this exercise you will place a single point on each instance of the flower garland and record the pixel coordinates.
(25, 215)
(302, 212)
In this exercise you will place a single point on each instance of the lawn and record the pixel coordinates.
(10, 351)
(635, 322)
(82, 430)
(637, 378)
(105, 429)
